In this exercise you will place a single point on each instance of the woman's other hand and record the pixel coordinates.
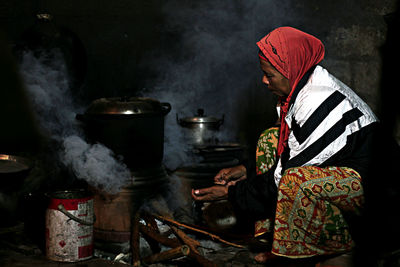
(229, 176)
(213, 193)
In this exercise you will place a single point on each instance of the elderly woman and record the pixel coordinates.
(310, 178)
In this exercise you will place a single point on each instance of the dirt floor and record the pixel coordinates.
(16, 249)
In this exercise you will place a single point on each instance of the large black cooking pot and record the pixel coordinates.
(131, 127)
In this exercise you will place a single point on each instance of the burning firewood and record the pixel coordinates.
(152, 224)
(192, 244)
(214, 237)
(169, 242)
(181, 245)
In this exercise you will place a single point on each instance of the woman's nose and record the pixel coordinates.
(265, 80)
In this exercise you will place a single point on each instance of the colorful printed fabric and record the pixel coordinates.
(265, 159)
(309, 218)
(263, 227)
(266, 150)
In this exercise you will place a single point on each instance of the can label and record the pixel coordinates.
(66, 239)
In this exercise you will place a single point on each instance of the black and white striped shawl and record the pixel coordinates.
(328, 124)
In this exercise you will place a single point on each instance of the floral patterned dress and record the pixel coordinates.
(311, 200)
(265, 159)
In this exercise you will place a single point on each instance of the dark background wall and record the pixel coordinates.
(203, 54)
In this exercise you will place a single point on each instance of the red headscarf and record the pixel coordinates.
(292, 52)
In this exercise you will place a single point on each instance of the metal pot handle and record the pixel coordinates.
(72, 217)
(166, 108)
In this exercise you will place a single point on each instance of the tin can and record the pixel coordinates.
(69, 226)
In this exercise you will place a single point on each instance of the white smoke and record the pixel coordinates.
(95, 163)
(213, 66)
(46, 80)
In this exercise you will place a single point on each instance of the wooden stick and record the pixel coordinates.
(175, 243)
(168, 220)
(169, 242)
(135, 245)
(150, 221)
(192, 244)
(173, 253)
(152, 225)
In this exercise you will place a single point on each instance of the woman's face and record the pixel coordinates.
(275, 81)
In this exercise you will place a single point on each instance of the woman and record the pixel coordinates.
(323, 151)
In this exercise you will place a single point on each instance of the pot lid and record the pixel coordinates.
(126, 106)
(13, 164)
(201, 118)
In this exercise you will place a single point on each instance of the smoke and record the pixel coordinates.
(95, 163)
(211, 63)
(45, 76)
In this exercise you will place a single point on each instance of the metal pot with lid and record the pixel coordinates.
(201, 129)
(132, 127)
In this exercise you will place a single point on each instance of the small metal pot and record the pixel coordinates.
(132, 127)
(200, 129)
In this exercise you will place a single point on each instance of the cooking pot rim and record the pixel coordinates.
(221, 147)
(114, 117)
(69, 194)
(200, 120)
(27, 163)
(124, 107)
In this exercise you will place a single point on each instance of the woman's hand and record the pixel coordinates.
(213, 193)
(229, 176)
